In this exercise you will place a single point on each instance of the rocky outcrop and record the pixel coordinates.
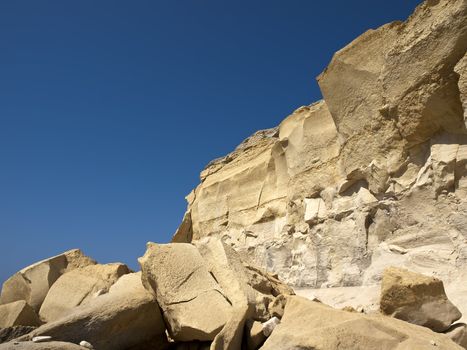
(33, 282)
(78, 287)
(374, 175)
(311, 325)
(417, 299)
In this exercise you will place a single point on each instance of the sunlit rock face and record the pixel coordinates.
(372, 175)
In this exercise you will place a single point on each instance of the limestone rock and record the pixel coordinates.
(18, 313)
(458, 334)
(33, 282)
(461, 69)
(27, 345)
(374, 175)
(193, 304)
(128, 316)
(79, 286)
(311, 325)
(254, 335)
(417, 299)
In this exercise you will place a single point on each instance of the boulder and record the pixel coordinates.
(128, 316)
(417, 299)
(193, 304)
(254, 336)
(79, 286)
(29, 345)
(458, 334)
(18, 313)
(241, 288)
(33, 282)
(309, 325)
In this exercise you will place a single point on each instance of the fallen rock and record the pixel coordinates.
(9, 333)
(79, 286)
(33, 282)
(458, 334)
(18, 313)
(308, 325)
(270, 325)
(254, 336)
(128, 316)
(193, 304)
(417, 299)
(28, 345)
(277, 306)
(249, 297)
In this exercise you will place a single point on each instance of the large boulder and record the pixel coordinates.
(18, 313)
(33, 282)
(193, 304)
(79, 286)
(417, 299)
(128, 316)
(309, 325)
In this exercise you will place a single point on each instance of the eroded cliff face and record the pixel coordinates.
(373, 175)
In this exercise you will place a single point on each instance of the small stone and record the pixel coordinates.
(269, 326)
(41, 339)
(86, 344)
(432, 342)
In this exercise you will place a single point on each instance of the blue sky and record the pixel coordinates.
(110, 109)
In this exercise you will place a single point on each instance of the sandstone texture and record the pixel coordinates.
(311, 325)
(33, 282)
(18, 313)
(357, 202)
(372, 176)
(126, 316)
(79, 286)
(54, 345)
(417, 299)
(185, 289)
(458, 334)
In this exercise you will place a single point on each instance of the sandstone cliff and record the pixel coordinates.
(372, 175)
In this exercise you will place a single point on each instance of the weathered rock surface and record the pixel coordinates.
(18, 313)
(311, 325)
(193, 304)
(78, 287)
(28, 345)
(33, 282)
(248, 289)
(128, 316)
(374, 175)
(417, 299)
(9, 333)
(458, 334)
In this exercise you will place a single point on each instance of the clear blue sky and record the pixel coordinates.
(110, 109)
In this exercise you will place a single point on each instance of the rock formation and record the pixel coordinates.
(357, 201)
(373, 175)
